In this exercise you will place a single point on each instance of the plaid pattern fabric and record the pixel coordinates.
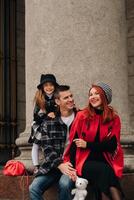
(51, 136)
(39, 116)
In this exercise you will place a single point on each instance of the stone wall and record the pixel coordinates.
(81, 42)
(130, 24)
(21, 62)
(20, 6)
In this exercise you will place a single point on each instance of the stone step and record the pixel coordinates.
(16, 188)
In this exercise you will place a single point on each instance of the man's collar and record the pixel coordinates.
(59, 113)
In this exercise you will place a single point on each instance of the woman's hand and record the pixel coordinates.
(80, 143)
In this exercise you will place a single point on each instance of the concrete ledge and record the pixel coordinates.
(16, 188)
(128, 185)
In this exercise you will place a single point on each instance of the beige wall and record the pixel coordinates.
(21, 65)
(130, 24)
(67, 62)
(80, 42)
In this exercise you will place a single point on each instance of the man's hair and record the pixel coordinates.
(60, 88)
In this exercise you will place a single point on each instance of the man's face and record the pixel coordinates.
(65, 100)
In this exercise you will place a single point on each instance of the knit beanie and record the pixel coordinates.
(107, 90)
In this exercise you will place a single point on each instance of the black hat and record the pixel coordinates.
(47, 78)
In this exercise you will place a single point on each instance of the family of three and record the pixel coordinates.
(75, 143)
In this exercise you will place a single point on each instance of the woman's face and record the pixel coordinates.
(48, 88)
(94, 98)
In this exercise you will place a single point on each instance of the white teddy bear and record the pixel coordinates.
(80, 190)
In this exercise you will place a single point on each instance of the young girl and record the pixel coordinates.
(97, 152)
(44, 108)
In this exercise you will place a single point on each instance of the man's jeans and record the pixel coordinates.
(41, 183)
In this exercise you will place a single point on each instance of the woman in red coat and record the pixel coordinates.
(94, 147)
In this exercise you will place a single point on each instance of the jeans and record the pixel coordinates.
(41, 183)
(65, 187)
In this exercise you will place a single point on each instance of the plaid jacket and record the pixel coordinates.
(38, 116)
(51, 137)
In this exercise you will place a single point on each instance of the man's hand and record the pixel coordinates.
(67, 169)
(80, 143)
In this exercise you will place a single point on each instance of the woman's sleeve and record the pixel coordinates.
(116, 128)
(105, 146)
(110, 143)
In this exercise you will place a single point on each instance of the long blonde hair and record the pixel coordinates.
(39, 99)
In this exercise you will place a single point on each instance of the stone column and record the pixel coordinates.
(81, 42)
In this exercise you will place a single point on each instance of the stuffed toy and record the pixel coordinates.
(80, 191)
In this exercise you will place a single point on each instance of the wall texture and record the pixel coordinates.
(81, 42)
(130, 36)
(57, 60)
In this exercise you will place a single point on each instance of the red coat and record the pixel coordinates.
(82, 124)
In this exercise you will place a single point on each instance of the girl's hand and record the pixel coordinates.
(36, 169)
(51, 114)
(80, 143)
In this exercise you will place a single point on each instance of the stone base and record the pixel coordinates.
(16, 188)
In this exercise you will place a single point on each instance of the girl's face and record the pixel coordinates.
(48, 88)
(94, 98)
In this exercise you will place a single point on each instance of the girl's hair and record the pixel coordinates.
(39, 99)
(108, 111)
